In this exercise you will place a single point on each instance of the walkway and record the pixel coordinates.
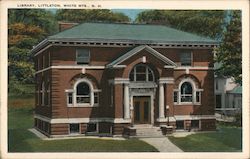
(163, 144)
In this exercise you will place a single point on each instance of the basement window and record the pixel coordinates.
(92, 128)
(82, 56)
(180, 124)
(195, 124)
(74, 128)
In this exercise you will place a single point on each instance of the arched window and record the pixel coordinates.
(82, 93)
(186, 92)
(141, 73)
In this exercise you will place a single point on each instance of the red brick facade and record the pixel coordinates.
(121, 85)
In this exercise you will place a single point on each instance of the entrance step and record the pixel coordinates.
(148, 131)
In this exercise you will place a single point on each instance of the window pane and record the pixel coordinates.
(186, 98)
(82, 56)
(218, 101)
(83, 89)
(150, 75)
(70, 101)
(141, 69)
(82, 99)
(74, 128)
(194, 123)
(140, 77)
(131, 76)
(198, 96)
(175, 96)
(96, 99)
(185, 59)
(186, 88)
(92, 127)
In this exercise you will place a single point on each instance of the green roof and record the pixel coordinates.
(237, 90)
(128, 32)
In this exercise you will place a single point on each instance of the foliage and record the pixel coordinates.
(90, 15)
(229, 53)
(226, 139)
(204, 22)
(26, 27)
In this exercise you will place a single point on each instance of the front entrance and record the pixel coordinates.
(141, 109)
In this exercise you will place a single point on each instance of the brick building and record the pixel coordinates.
(97, 78)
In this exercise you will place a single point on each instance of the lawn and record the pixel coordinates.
(225, 139)
(21, 140)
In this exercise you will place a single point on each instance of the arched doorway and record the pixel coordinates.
(142, 94)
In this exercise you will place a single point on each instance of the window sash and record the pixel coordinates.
(186, 59)
(82, 99)
(82, 56)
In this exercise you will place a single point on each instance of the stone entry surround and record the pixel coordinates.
(144, 89)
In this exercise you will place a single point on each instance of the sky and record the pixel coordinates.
(131, 13)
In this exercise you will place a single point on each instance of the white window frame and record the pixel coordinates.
(74, 97)
(194, 90)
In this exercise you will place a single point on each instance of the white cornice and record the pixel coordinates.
(194, 68)
(72, 67)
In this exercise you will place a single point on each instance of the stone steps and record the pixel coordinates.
(148, 131)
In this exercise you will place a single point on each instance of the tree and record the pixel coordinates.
(89, 15)
(204, 22)
(26, 27)
(229, 53)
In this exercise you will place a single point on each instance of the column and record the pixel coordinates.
(126, 101)
(161, 101)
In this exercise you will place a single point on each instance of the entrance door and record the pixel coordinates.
(141, 110)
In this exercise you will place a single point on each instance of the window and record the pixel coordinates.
(218, 101)
(92, 127)
(82, 56)
(141, 73)
(47, 94)
(194, 123)
(175, 96)
(82, 93)
(198, 97)
(216, 85)
(186, 58)
(70, 98)
(186, 92)
(43, 93)
(180, 124)
(96, 97)
(74, 128)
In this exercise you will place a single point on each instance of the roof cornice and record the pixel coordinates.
(120, 43)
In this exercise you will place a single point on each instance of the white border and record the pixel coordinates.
(136, 4)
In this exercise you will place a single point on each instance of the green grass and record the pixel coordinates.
(21, 140)
(225, 139)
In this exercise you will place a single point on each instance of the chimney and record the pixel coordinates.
(66, 25)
